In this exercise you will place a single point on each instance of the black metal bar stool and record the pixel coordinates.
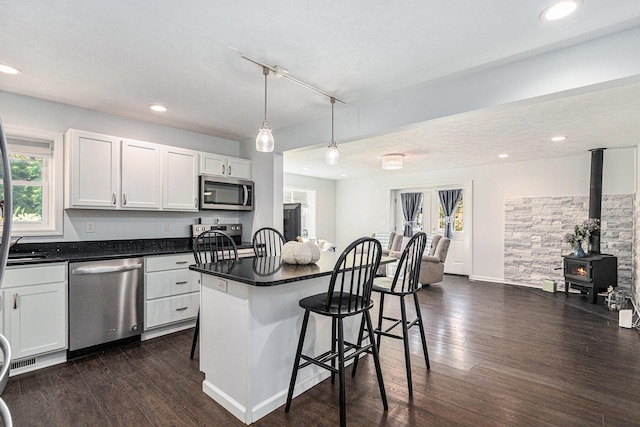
(349, 294)
(208, 247)
(404, 282)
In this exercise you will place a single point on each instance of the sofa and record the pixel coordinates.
(432, 265)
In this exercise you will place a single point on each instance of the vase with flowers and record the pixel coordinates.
(581, 233)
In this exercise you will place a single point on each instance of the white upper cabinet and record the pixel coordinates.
(92, 168)
(213, 164)
(141, 175)
(239, 168)
(180, 179)
(230, 167)
(107, 172)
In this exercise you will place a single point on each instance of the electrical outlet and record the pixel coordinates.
(91, 227)
(222, 285)
(521, 267)
(168, 226)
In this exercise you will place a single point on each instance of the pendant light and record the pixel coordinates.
(264, 140)
(332, 155)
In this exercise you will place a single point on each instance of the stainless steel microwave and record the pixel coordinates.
(225, 193)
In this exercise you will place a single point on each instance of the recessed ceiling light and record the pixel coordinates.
(8, 69)
(344, 174)
(559, 10)
(307, 169)
(503, 156)
(558, 138)
(158, 108)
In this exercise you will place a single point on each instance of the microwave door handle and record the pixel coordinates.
(246, 195)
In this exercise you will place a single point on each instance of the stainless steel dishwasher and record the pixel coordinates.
(105, 301)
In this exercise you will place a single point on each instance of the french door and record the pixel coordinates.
(430, 220)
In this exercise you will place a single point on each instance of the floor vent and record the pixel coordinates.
(23, 363)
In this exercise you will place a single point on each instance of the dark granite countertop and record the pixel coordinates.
(270, 271)
(39, 253)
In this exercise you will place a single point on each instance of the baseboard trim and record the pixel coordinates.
(168, 329)
(475, 278)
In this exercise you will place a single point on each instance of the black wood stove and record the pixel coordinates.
(591, 274)
(595, 272)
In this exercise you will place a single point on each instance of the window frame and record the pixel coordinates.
(52, 213)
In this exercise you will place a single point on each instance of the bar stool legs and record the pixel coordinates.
(405, 325)
(195, 336)
(421, 326)
(337, 351)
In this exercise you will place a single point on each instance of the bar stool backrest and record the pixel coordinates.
(267, 241)
(352, 277)
(5, 347)
(407, 273)
(212, 246)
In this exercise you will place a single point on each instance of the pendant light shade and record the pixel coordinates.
(332, 155)
(264, 140)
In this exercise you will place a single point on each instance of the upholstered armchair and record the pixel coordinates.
(432, 266)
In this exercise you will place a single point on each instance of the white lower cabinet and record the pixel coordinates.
(34, 306)
(171, 290)
(171, 309)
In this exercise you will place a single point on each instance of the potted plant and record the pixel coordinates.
(582, 232)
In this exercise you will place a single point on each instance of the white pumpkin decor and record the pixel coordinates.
(300, 253)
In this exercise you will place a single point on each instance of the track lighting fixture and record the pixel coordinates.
(264, 140)
(332, 155)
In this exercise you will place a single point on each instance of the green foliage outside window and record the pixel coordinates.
(26, 172)
(457, 217)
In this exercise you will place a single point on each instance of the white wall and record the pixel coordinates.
(365, 204)
(25, 112)
(326, 213)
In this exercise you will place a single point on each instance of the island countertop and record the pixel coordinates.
(270, 271)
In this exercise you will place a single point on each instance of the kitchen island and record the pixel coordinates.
(250, 322)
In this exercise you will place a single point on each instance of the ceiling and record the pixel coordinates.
(120, 56)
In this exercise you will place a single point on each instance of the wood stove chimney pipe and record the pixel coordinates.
(595, 195)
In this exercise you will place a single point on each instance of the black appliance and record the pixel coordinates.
(292, 217)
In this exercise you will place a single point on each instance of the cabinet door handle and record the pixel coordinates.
(229, 170)
(15, 301)
(181, 308)
(182, 283)
(113, 198)
(195, 202)
(182, 262)
(223, 172)
(124, 199)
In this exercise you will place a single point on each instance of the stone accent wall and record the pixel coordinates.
(534, 227)
(635, 289)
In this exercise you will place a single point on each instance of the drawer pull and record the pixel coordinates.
(181, 308)
(15, 301)
(182, 283)
(182, 262)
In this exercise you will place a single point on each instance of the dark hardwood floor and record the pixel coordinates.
(500, 355)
